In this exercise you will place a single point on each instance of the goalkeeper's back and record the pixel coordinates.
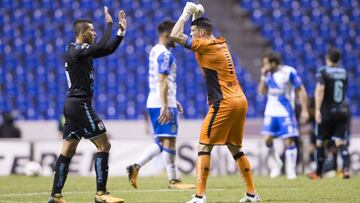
(214, 58)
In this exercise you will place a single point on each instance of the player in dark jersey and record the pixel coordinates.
(80, 119)
(331, 112)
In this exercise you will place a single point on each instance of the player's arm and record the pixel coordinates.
(296, 81)
(304, 115)
(111, 47)
(177, 33)
(319, 97)
(89, 50)
(164, 87)
(262, 88)
(319, 94)
(164, 60)
(179, 107)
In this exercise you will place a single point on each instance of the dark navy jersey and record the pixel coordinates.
(79, 63)
(335, 81)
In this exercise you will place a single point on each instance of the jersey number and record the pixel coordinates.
(338, 91)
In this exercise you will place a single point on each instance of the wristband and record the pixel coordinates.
(262, 78)
(121, 33)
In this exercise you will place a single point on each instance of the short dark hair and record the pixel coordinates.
(203, 23)
(166, 26)
(273, 57)
(334, 55)
(81, 25)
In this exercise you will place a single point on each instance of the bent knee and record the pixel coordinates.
(105, 147)
(205, 149)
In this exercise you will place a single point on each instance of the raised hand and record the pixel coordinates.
(122, 20)
(108, 18)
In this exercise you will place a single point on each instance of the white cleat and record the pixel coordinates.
(197, 200)
(247, 198)
(291, 176)
(275, 172)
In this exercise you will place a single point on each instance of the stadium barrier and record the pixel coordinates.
(129, 138)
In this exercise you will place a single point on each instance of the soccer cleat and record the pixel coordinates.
(313, 176)
(56, 198)
(197, 199)
(275, 172)
(105, 197)
(133, 171)
(346, 174)
(291, 176)
(177, 184)
(248, 198)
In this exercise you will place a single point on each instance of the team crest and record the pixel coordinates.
(173, 128)
(101, 126)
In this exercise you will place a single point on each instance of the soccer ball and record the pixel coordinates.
(33, 168)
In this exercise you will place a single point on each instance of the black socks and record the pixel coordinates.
(102, 170)
(345, 155)
(320, 158)
(61, 171)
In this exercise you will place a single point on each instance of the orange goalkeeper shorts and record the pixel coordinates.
(224, 122)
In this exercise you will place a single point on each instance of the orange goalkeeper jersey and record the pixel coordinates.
(218, 69)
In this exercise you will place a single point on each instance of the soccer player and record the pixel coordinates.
(224, 123)
(280, 83)
(163, 109)
(81, 120)
(331, 112)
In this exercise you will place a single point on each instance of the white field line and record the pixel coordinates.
(142, 201)
(92, 192)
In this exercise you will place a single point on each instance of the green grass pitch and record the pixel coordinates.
(154, 189)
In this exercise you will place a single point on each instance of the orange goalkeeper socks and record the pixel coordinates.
(245, 169)
(202, 172)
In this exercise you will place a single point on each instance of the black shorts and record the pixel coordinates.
(81, 120)
(332, 128)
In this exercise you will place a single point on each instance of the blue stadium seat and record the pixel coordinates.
(32, 57)
(324, 23)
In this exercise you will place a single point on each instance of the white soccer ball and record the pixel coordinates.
(33, 168)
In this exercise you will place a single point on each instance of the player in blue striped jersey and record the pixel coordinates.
(281, 83)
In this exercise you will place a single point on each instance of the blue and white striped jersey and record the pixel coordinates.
(161, 61)
(281, 91)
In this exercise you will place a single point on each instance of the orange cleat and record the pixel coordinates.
(313, 176)
(133, 172)
(56, 198)
(105, 197)
(177, 184)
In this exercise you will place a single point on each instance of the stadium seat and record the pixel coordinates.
(323, 23)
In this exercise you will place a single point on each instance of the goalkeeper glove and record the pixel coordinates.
(199, 12)
(189, 9)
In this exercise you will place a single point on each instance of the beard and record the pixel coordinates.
(171, 44)
(88, 38)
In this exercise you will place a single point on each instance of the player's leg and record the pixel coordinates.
(341, 145)
(94, 130)
(246, 172)
(322, 131)
(71, 136)
(62, 169)
(169, 155)
(152, 150)
(290, 157)
(236, 124)
(102, 169)
(269, 130)
(289, 132)
(202, 172)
